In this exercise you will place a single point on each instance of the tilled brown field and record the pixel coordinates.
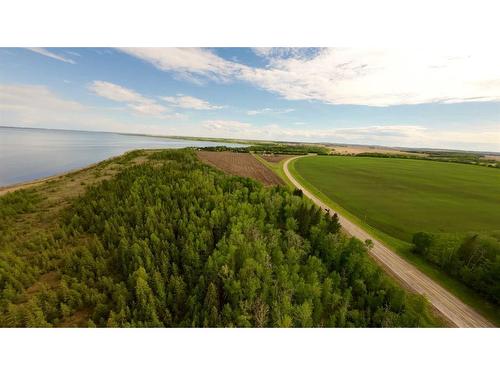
(240, 164)
(274, 158)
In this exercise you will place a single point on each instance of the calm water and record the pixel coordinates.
(28, 154)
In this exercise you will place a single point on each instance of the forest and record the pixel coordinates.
(473, 259)
(172, 242)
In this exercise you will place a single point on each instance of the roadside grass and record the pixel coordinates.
(403, 249)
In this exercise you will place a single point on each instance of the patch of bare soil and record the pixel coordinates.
(274, 158)
(49, 280)
(354, 150)
(492, 157)
(78, 319)
(240, 164)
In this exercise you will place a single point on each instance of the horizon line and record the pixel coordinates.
(259, 140)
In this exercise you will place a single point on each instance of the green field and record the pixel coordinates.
(400, 197)
(394, 198)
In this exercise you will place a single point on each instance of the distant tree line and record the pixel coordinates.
(274, 148)
(451, 157)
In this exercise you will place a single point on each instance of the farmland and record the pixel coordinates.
(240, 164)
(272, 158)
(448, 211)
(401, 197)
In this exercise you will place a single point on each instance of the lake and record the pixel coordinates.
(28, 154)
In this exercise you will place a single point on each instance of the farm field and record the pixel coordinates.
(401, 197)
(464, 205)
(240, 164)
(273, 158)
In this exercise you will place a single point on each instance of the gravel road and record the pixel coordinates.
(453, 309)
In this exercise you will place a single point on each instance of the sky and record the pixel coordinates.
(430, 98)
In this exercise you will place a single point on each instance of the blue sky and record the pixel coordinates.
(410, 98)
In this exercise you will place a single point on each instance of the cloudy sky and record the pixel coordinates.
(411, 97)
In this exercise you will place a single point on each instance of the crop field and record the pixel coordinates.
(274, 158)
(240, 164)
(401, 197)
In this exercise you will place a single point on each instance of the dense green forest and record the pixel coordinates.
(172, 242)
(474, 259)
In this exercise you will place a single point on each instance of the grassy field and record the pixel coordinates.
(322, 168)
(401, 197)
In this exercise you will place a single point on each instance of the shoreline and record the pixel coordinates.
(325, 143)
(36, 182)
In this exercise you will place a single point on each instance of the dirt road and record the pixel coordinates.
(454, 310)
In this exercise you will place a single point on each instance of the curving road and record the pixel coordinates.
(454, 310)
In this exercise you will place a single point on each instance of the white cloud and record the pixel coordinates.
(189, 63)
(149, 108)
(348, 76)
(37, 106)
(227, 126)
(270, 53)
(46, 52)
(189, 102)
(416, 136)
(115, 92)
(254, 112)
(383, 77)
(487, 139)
(32, 101)
(135, 101)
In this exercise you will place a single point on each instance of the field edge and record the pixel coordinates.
(403, 249)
